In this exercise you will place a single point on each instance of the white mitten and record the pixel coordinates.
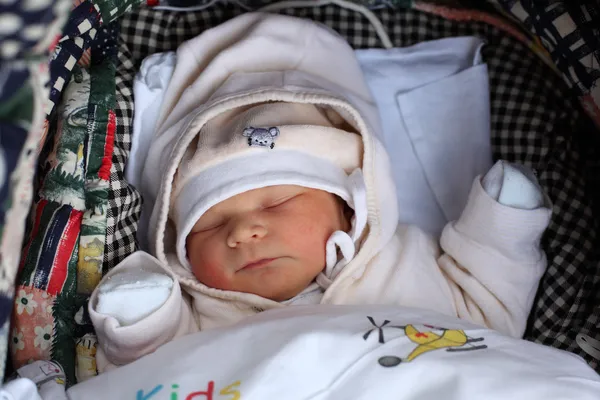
(513, 185)
(133, 293)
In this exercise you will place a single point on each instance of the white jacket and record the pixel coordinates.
(486, 271)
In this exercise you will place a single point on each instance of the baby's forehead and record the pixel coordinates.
(273, 190)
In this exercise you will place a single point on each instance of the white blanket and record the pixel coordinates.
(433, 100)
(348, 352)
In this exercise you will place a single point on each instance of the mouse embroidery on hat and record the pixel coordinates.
(261, 137)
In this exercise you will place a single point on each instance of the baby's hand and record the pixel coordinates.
(133, 294)
(513, 185)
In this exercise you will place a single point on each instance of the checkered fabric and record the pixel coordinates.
(570, 30)
(124, 201)
(534, 122)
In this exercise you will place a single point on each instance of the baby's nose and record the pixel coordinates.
(246, 231)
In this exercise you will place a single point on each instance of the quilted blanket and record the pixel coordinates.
(62, 255)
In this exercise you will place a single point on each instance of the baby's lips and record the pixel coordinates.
(258, 263)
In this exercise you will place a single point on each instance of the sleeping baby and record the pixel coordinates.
(268, 187)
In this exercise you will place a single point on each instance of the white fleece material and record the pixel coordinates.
(133, 295)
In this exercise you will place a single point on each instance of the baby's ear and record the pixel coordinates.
(347, 213)
(248, 131)
(274, 131)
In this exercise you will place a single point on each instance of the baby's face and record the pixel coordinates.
(268, 241)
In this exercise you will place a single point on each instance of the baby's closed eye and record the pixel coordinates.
(281, 201)
(207, 227)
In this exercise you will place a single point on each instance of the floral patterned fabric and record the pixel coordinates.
(63, 250)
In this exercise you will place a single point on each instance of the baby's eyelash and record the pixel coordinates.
(210, 228)
(280, 202)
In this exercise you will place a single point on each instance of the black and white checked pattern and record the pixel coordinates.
(534, 122)
(571, 31)
(124, 201)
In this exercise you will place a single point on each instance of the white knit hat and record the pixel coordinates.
(258, 146)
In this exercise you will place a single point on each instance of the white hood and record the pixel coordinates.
(252, 59)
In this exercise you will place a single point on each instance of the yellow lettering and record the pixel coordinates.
(230, 390)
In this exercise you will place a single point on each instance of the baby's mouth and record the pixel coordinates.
(258, 263)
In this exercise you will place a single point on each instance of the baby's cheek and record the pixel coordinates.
(207, 264)
(309, 237)
(305, 229)
(301, 232)
(211, 274)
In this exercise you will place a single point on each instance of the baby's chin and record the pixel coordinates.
(275, 294)
(279, 295)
